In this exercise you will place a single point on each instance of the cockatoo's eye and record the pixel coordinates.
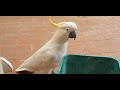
(67, 29)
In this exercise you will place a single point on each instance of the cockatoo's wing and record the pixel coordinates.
(41, 62)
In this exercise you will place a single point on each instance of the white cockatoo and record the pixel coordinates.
(48, 57)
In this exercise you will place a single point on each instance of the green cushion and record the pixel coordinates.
(85, 64)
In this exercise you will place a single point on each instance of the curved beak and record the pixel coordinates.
(72, 35)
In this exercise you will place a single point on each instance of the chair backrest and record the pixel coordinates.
(1, 67)
(85, 64)
(6, 66)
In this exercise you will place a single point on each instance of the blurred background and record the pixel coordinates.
(21, 36)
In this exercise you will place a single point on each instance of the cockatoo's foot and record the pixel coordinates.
(52, 72)
(24, 72)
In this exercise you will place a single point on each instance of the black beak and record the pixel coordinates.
(72, 35)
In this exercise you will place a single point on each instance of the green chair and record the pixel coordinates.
(86, 64)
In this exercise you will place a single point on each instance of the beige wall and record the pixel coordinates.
(21, 36)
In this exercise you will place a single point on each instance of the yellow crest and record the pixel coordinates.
(54, 24)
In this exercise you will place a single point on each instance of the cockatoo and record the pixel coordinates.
(49, 56)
